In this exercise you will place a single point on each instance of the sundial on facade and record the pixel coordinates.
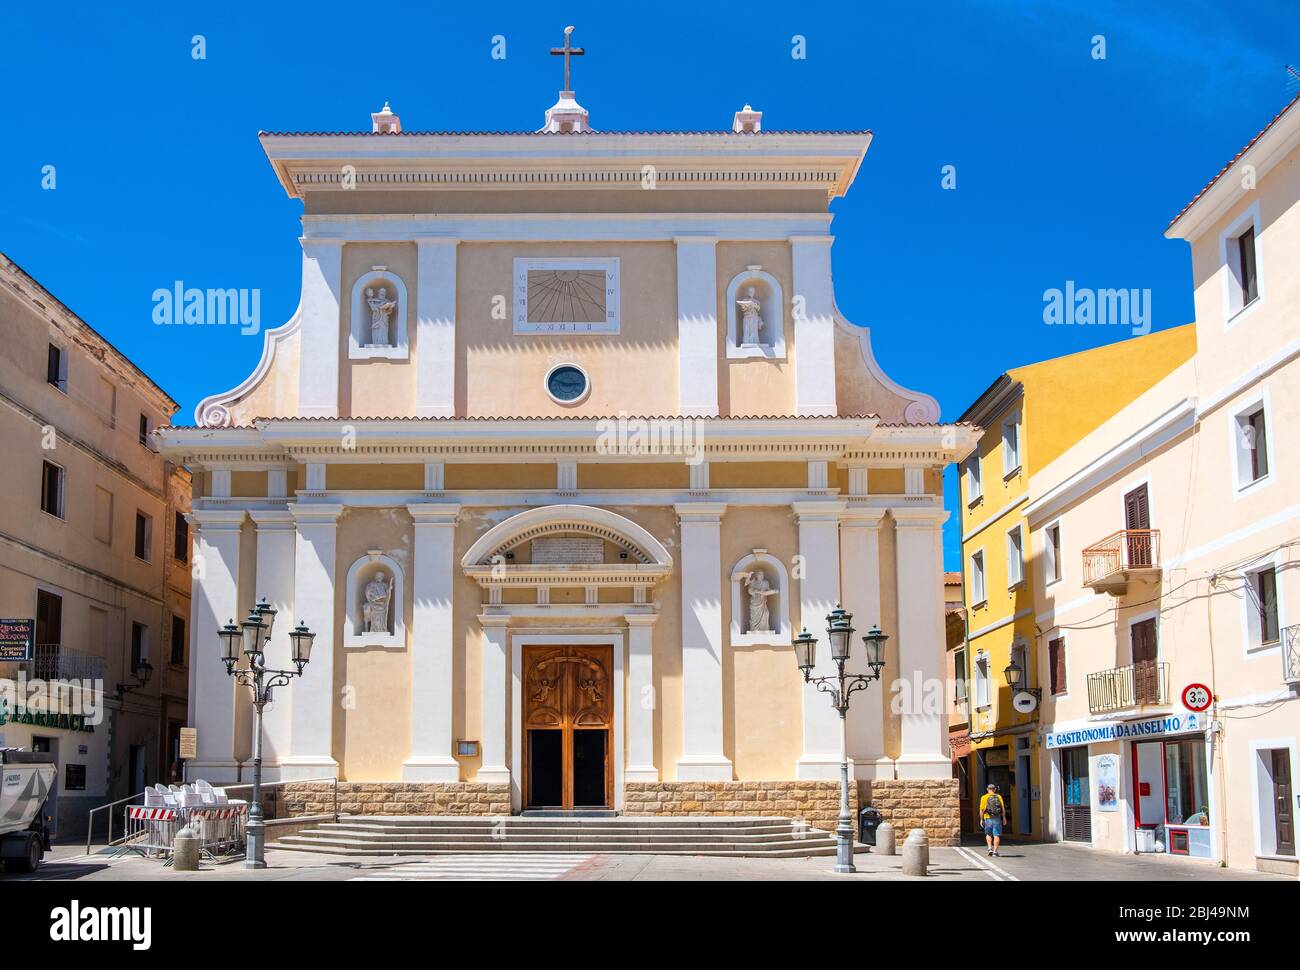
(566, 296)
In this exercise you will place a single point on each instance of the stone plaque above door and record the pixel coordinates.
(557, 550)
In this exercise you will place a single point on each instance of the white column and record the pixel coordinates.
(814, 325)
(319, 336)
(641, 698)
(860, 582)
(697, 325)
(215, 602)
(312, 718)
(922, 643)
(701, 570)
(819, 593)
(276, 543)
(496, 709)
(435, 328)
(430, 758)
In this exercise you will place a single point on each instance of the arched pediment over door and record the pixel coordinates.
(567, 545)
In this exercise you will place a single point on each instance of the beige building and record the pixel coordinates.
(94, 555)
(1164, 560)
(564, 443)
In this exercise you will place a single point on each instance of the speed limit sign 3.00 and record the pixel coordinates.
(1197, 697)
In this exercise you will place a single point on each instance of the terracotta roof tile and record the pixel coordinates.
(1233, 161)
(538, 134)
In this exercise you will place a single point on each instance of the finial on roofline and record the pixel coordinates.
(385, 122)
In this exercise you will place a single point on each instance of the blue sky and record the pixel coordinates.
(1068, 167)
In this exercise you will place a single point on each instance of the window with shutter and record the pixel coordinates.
(1056, 665)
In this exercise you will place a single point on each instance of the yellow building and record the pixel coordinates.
(1029, 416)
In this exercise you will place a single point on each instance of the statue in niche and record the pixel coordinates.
(374, 611)
(758, 589)
(751, 321)
(380, 308)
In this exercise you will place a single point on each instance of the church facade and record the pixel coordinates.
(565, 442)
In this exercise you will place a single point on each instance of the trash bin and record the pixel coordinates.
(868, 821)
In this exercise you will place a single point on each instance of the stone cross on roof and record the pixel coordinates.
(566, 52)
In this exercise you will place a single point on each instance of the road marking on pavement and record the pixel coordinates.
(486, 866)
(991, 869)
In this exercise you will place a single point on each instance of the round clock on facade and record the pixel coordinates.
(567, 383)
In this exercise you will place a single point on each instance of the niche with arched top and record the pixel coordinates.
(755, 316)
(375, 611)
(379, 310)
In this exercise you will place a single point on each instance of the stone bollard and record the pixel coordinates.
(916, 853)
(885, 839)
(185, 850)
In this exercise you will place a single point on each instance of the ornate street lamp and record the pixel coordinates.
(841, 686)
(1015, 675)
(250, 638)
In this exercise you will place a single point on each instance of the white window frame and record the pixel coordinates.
(1262, 793)
(1234, 310)
(979, 585)
(63, 489)
(1010, 467)
(1128, 639)
(1019, 650)
(1015, 556)
(982, 682)
(1251, 633)
(974, 481)
(1052, 571)
(1243, 486)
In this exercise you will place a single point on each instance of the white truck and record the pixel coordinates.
(25, 781)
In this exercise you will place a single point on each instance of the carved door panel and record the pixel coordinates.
(568, 720)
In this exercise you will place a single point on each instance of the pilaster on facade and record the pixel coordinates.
(819, 593)
(702, 757)
(214, 602)
(860, 571)
(495, 710)
(435, 327)
(642, 699)
(315, 597)
(434, 563)
(276, 542)
(697, 325)
(318, 366)
(921, 639)
(814, 325)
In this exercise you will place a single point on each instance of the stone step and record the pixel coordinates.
(692, 821)
(757, 832)
(596, 838)
(780, 850)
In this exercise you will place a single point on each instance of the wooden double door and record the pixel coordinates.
(568, 720)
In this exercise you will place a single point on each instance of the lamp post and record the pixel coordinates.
(841, 686)
(250, 638)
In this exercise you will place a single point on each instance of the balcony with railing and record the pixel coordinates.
(1291, 655)
(1114, 562)
(54, 661)
(1126, 688)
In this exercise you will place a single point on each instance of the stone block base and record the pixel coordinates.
(912, 803)
(394, 798)
(931, 804)
(816, 802)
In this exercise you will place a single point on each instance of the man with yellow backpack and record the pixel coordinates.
(993, 812)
